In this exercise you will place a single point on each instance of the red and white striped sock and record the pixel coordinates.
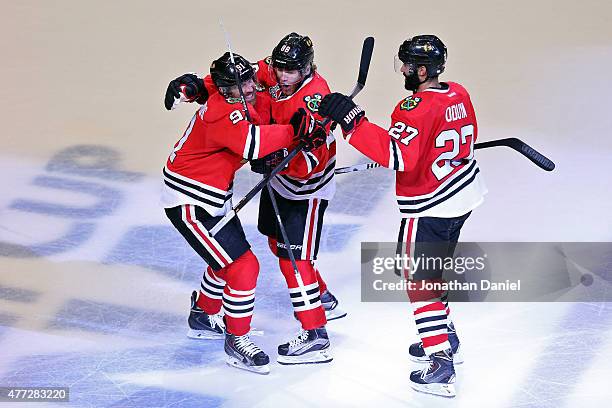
(211, 291)
(431, 322)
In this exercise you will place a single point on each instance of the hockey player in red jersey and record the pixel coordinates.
(198, 179)
(302, 192)
(430, 145)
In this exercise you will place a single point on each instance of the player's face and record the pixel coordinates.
(404, 68)
(407, 69)
(288, 79)
(248, 89)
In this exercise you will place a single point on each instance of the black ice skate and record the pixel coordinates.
(330, 305)
(309, 347)
(244, 354)
(202, 325)
(418, 355)
(438, 378)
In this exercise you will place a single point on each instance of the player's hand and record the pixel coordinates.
(342, 110)
(186, 88)
(307, 130)
(266, 164)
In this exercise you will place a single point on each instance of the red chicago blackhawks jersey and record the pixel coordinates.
(218, 141)
(430, 144)
(310, 174)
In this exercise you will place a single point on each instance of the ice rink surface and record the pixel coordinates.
(95, 282)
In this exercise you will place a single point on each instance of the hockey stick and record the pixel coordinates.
(357, 167)
(296, 271)
(237, 77)
(523, 148)
(364, 66)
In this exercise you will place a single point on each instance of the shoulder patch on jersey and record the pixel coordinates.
(275, 91)
(410, 103)
(268, 60)
(259, 87)
(313, 102)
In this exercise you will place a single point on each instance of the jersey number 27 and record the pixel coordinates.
(449, 159)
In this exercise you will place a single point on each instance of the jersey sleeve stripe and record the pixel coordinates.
(250, 143)
(396, 161)
(257, 142)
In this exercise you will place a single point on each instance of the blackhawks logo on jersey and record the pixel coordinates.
(313, 102)
(410, 103)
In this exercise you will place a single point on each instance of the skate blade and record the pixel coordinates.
(204, 335)
(334, 314)
(315, 357)
(208, 335)
(256, 332)
(234, 362)
(457, 358)
(442, 390)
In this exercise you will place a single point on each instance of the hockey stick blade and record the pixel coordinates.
(523, 148)
(364, 65)
(366, 57)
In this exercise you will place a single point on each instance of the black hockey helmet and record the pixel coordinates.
(222, 70)
(426, 50)
(294, 51)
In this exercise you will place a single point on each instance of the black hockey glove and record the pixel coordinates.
(186, 88)
(341, 109)
(269, 162)
(307, 130)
